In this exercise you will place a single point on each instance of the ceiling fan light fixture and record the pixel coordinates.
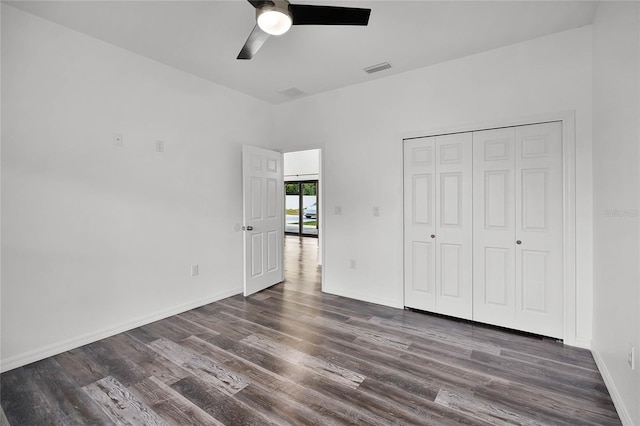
(274, 20)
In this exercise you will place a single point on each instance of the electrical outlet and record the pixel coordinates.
(194, 270)
(337, 210)
(118, 139)
(376, 211)
(631, 357)
(352, 263)
(159, 146)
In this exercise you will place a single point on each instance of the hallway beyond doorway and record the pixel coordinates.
(301, 270)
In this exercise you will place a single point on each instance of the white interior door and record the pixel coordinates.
(539, 261)
(494, 227)
(517, 231)
(263, 215)
(419, 224)
(437, 224)
(453, 230)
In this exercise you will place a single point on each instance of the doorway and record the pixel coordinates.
(301, 207)
(303, 227)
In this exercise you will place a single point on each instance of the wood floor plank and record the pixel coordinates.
(61, 388)
(148, 360)
(381, 354)
(221, 406)
(330, 411)
(552, 364)
(559, 380)
(471, 406)
(38, 395)
(174, 408)
(294, 355)
(546, 408)
(76, 363)
(406, 382)
(98, 357)
(335, 392)
(330, 371)
(434, 334)
(282, 411)
(203, 367)
(121, 405)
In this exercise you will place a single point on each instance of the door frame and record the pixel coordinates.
(321, 211)
(568, 205)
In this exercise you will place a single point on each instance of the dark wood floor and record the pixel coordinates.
(292, 355)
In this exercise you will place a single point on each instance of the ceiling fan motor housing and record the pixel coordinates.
(275, 18)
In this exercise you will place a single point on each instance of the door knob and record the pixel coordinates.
(247, 228)
(433, 235)
(518, 242)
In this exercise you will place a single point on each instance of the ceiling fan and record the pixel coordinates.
(275, 17)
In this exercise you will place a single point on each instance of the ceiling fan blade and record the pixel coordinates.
(254, 42)
(260, 3)
(304, 14)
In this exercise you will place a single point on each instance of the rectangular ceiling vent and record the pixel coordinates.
(377, 68)
(292, 92)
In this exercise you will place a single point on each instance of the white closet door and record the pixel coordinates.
(453, 230)
(419, 223)
(494, 227)
(539, 229)
(518, 228)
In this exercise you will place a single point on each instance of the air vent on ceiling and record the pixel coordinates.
(292, 92)
(377, 68)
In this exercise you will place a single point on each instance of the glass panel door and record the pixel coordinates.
(301, 199)
(309, 208)
(292, 207)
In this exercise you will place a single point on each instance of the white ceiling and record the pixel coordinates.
(204, 37)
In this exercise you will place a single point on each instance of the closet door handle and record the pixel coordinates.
(518, 242)
(433, 235)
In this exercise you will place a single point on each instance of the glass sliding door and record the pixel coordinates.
(301, 199)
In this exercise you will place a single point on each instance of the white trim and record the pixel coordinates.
(569, 204)
(75, 342)
(582, 343)
(618, 402)
(321, 229)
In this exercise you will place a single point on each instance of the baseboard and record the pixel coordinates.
(57, 348)
(625, 417)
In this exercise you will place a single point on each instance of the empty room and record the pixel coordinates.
(315, 212)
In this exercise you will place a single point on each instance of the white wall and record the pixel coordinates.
(361, 129)
(616, 168)
(302, 165)
(98, 238)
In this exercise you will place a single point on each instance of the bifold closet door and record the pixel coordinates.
(419, 224)
(539, 278)
(517, 259)
(438, 224)
(494, 226)
(454, 228)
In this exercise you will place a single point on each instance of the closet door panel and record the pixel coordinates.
(453, 231)
(419, 223)
(494, 226)
(539, 286)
